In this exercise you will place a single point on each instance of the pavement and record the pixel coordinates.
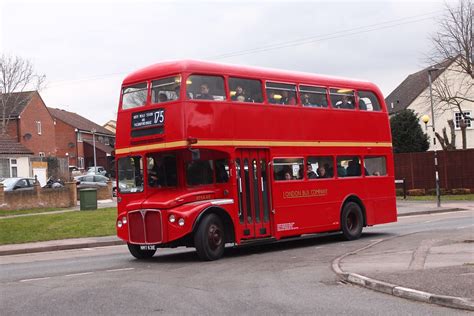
(414, 266)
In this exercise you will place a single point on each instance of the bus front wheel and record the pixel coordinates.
(352, 221)
(209, 238)
(138, 253)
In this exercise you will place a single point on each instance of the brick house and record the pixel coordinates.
(75, 140)
(31, 124)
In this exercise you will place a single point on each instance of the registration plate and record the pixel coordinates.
(147, 247)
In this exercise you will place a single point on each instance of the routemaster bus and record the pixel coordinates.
(211, 154)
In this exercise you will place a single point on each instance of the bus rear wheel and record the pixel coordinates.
(352, 221)
(139, 253)
(209, 238)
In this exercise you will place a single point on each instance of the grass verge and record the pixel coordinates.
(32, 211)
(464, 197)
(58, 226)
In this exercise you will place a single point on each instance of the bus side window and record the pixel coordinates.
(285, 169)
(319, 167)
(313, 96)
(368, 101)
(375, 166)
(342, 98)
(200, 87)
(281, 93)
(245, 90)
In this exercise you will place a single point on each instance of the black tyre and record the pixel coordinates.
(209, 238)
(352, 221)
(138, 253)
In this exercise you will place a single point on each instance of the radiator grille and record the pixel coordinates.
(145, 227)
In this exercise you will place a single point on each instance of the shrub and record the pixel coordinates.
(416, 192)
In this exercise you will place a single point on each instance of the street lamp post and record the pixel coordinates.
(438, 196)
(68, 171)
(93, 142)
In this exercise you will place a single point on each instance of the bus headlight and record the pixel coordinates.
(124, 220)
(181, 222)
(119, 224)
(172, 218)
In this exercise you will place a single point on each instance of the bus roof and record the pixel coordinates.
(204, 67)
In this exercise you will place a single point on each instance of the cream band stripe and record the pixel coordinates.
(212, 143)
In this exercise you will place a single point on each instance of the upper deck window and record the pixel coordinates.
(164, 90)
(245, 90)
(342, 98)
(134, 96)
(205, 88)
(313, 96)
(281, 93)
(368, 101)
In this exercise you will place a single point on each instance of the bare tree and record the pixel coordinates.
(16, 75)
(454, 42)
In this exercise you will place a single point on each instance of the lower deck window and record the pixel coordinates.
(348, 166)
(285, 169)
(375, 166)
(319, 167)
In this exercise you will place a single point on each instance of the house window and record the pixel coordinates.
(458, 117)
(5, 168)
(80, 162)
(13, 168)
(38, 127)
(107, 142)
(79, 137)
(41, 154)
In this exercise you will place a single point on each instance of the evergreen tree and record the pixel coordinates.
(407, 135)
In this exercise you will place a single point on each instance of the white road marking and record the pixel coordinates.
(78, 274)
(124, 269)
(37, 279)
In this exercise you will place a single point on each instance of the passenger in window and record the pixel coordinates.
(176, 92)
(341, 171)
(205, 95)
(329, 170)
(353, 169)
(345, 103)
(271, 97)
(311, 173)
(288, 176)
(239, 95)
(305, 99)
(322, 172)
(162, 97)
(286, 99)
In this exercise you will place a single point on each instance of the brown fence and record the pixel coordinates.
(456, 169)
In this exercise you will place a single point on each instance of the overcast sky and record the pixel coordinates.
(86, 48)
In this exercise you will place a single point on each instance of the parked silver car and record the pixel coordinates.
(97, 170)
(91, 181)
(18, 184)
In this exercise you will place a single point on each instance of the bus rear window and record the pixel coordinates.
(164, 90)
(134, 96)
(368, 101)
(130, 174)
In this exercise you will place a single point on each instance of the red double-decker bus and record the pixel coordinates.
(209, 154)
